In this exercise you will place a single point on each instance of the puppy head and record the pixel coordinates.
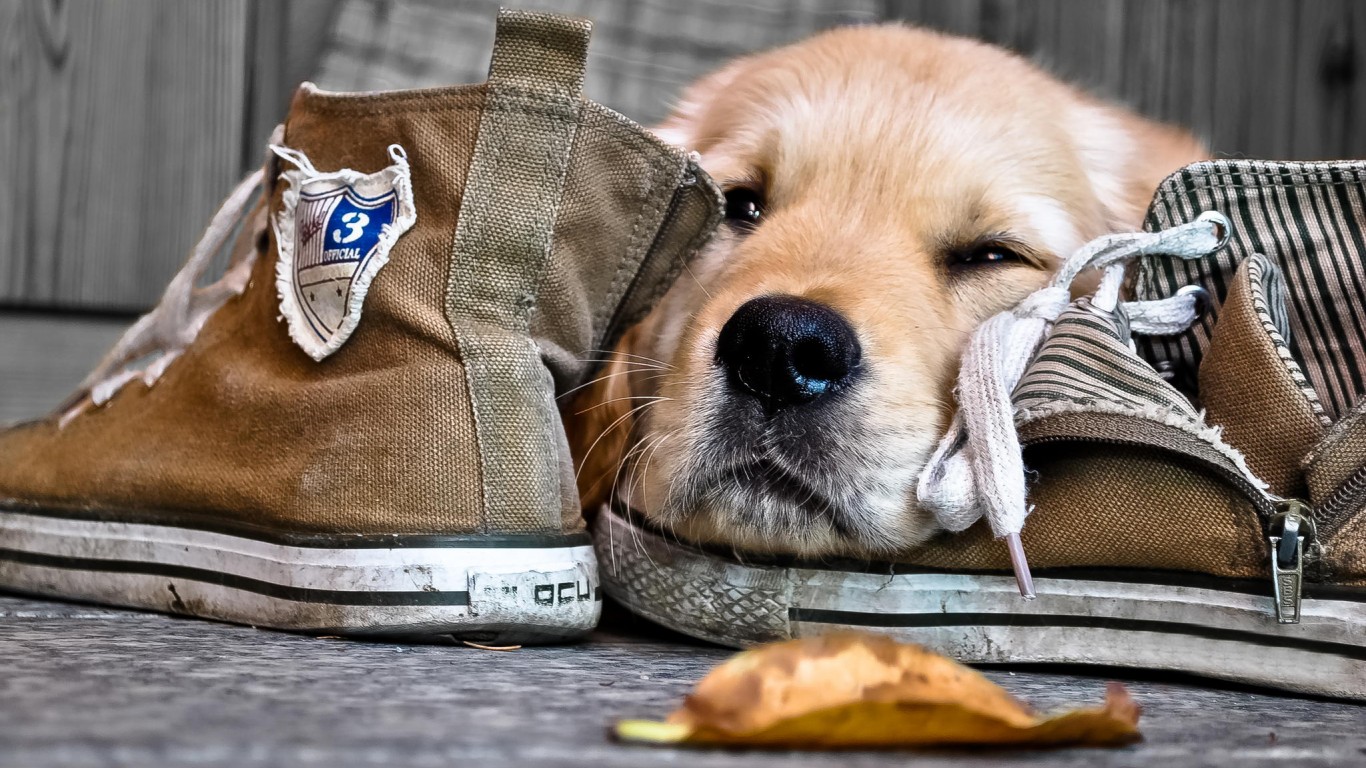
(888, 189)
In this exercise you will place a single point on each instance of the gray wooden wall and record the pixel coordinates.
(123, 122)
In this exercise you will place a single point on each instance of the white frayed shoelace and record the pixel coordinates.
(977, 469)
(160, 336)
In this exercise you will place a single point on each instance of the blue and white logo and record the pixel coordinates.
(338, 232)
(335, 233)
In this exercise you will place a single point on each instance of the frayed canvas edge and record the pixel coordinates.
(1209, 434)
(284, 225)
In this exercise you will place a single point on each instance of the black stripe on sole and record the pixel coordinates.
(242, 583)
(932, 620)
(264, 534)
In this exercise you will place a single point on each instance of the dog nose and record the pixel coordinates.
(787, 351)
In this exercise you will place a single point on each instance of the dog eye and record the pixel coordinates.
(744, 206)
(985, 256)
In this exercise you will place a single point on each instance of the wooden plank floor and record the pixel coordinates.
(88, 686)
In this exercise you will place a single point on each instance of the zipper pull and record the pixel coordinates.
(1293, 525)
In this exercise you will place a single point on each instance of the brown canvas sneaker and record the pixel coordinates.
(355, 429)
(1200, 507)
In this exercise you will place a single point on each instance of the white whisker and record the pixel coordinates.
(652, 398)
(618, 354)
(705, 292)
(607, 430)
(662, 373)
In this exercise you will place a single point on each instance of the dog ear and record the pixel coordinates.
(1127, 156)
(598, 423)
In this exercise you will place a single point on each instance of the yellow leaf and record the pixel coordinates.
(849, 690)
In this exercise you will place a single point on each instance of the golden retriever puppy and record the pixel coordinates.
(887, 189)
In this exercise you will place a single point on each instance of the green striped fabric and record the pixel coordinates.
(1306, 219)
(1086, 363)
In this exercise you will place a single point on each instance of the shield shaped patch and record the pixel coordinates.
(335, 232)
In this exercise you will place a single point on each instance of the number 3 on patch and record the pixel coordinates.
(356, 222)
(335, 231)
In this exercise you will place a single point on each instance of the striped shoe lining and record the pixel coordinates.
(1268, 302)
(1087, 361)
(1306, 218)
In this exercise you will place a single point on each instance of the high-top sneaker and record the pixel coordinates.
(355, 429)
(1196, 499)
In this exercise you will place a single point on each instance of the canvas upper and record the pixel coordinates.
(545, 224)
(355, 430)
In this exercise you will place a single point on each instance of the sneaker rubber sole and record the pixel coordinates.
(1218, 628)
(485, 588)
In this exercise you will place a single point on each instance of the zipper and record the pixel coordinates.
(1296, 527)
(1287, 523)
(1346, 499)
(1292, 526)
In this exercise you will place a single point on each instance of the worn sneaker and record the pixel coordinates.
(1201, 507)
(354, 430)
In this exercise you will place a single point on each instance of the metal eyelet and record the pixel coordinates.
(1223, 229)
(1202, 299)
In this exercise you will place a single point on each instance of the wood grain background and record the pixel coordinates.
(123, 122)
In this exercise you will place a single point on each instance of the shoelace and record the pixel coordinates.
(161, 335)
(977, 469)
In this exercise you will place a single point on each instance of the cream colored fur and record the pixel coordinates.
(879, 151)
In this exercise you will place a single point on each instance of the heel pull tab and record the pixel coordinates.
(501, 254)
(540, 52)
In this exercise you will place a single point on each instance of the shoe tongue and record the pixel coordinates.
(1279, 377)
(1086, 383)
(1252, 386)
(1086, 366)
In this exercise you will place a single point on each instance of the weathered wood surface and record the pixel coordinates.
(122, 126)
(643, 51)
(1264, 78)
(1257, 78)
(120, 130)
(286, 39)
(86, 686)
(44, 356)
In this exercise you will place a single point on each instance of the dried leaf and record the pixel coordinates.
(860, 690)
